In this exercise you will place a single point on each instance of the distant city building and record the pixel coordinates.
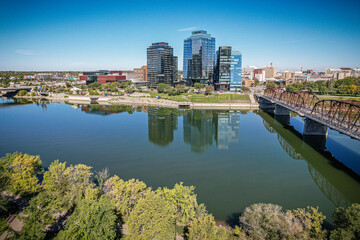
(141, 73)
(259, 75)
(250, 70)
(270, 72)
(43, 76)
(287, 75)
(227, 74)
(247, 83)
(162, 65)
(340, 73)
(102, 77)
(199, 58)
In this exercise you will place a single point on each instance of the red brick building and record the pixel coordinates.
(102, 77)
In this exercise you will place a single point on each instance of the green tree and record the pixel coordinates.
(101, 177)
(347, 223)
(353, 89)
(183, 201)
(205, 227)
(209, 89)
(129, 90)
(268, 221)
(56, 179)
(245, 89)
(312, 221)
(198, 86)
(24, 168)
(94, 85)
(323, 90)
(138, 87)
(39, 215)
(151, 219)
(181, 88)
(162, 87)
(124, 195)
(67, 183)
(92, 219)
(22, 93)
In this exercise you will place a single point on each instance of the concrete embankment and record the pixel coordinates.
(142, 101)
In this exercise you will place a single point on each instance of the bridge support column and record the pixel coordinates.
(266, 105)
(314, 128)
(283, 119)
(281, 111)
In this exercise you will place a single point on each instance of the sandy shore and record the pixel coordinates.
(141, 101)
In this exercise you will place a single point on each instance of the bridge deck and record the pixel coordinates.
(307, 113)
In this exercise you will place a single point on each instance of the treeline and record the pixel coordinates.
(349, 85)
(72, 202)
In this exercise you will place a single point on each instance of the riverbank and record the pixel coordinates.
(143, 100)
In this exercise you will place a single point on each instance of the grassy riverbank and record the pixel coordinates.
(202, 98)
(337, 97)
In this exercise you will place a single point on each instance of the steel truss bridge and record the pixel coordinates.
(342, 116)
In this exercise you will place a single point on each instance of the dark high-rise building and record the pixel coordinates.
(227, 74)
(199, 58)
(161, 64)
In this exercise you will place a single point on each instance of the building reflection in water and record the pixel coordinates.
(162, 122)
(199, 129)
(227, 128)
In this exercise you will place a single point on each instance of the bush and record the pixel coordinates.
(347, 223)
(198, 86)
(22, 93)
(162, 87)
(208, 90)
(94, 85)
(268, 221)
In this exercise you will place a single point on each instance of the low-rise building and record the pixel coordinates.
(247, 83)
(270, 71)
(102, 76)
(259, 74)
(141, 73)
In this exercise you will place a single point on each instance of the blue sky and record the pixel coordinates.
(91, 35)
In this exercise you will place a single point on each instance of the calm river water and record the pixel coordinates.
(234, 158)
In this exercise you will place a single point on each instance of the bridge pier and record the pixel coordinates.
(266, 105)
(283, 119)
(317, 142)
(313, 128)
(281, 111)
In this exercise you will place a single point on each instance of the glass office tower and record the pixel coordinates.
(199, 58)
(235, 70)
(227, 73)
(162, 65)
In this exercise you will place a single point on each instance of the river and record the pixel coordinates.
(233, 158)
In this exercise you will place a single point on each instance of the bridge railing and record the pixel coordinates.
(341, 113)
(344, 115)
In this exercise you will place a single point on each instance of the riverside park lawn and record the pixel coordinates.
(202, 98)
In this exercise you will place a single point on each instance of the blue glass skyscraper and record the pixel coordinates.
(235, 70)
(199, 58)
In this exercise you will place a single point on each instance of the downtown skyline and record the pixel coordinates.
(44, 36)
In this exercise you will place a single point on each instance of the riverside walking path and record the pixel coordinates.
(144, 100)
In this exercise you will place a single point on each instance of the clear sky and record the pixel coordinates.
(91, 35)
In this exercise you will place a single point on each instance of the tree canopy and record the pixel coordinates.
(151, 218)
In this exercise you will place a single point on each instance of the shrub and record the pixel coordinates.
(22, 93)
